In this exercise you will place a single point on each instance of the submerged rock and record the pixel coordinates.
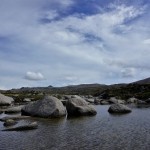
(77, 106)
(119, 108)
(30, 126)
(5, 100)
(49, 107)
(10, 122)
(14, 118)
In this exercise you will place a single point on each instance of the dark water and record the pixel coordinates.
(101, 132)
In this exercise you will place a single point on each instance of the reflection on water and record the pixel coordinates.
(103, 131)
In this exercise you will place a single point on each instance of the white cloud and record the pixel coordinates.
(66, 3)
(71, 78)
(34, 76)
(147, 41)
(128, 72)
(49, 15)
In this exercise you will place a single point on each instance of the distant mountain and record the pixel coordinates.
(71, 89)
(144, 81)
(139, 89)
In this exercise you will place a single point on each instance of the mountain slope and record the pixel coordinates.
(144, 81)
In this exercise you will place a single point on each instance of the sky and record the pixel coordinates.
(69, 42)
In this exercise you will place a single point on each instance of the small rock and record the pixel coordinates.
(14, 118)
(13, 110)
(132, 100)
(90, 96)
(10, 122)
(26, 100)
(104, 102)
(121, 101)
(114, 100)
(30, 126)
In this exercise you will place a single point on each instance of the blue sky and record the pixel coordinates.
(55, 42)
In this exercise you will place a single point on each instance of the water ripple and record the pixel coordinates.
(103, 131)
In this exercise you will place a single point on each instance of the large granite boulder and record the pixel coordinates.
(5, 100)
(77, 106)
(119, 108)
(49, 107)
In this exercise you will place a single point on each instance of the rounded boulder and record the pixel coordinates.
(5, 100)
(119, 108)
(77, 106)
(49, 107)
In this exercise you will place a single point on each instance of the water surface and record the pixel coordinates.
(101, 132)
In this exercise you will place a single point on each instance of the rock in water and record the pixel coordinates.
(30, 126)
(119, 108)
(10, 122)
(77, 106)
(104, 102)
(5, 100)
(14, 118)
(49, 107)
